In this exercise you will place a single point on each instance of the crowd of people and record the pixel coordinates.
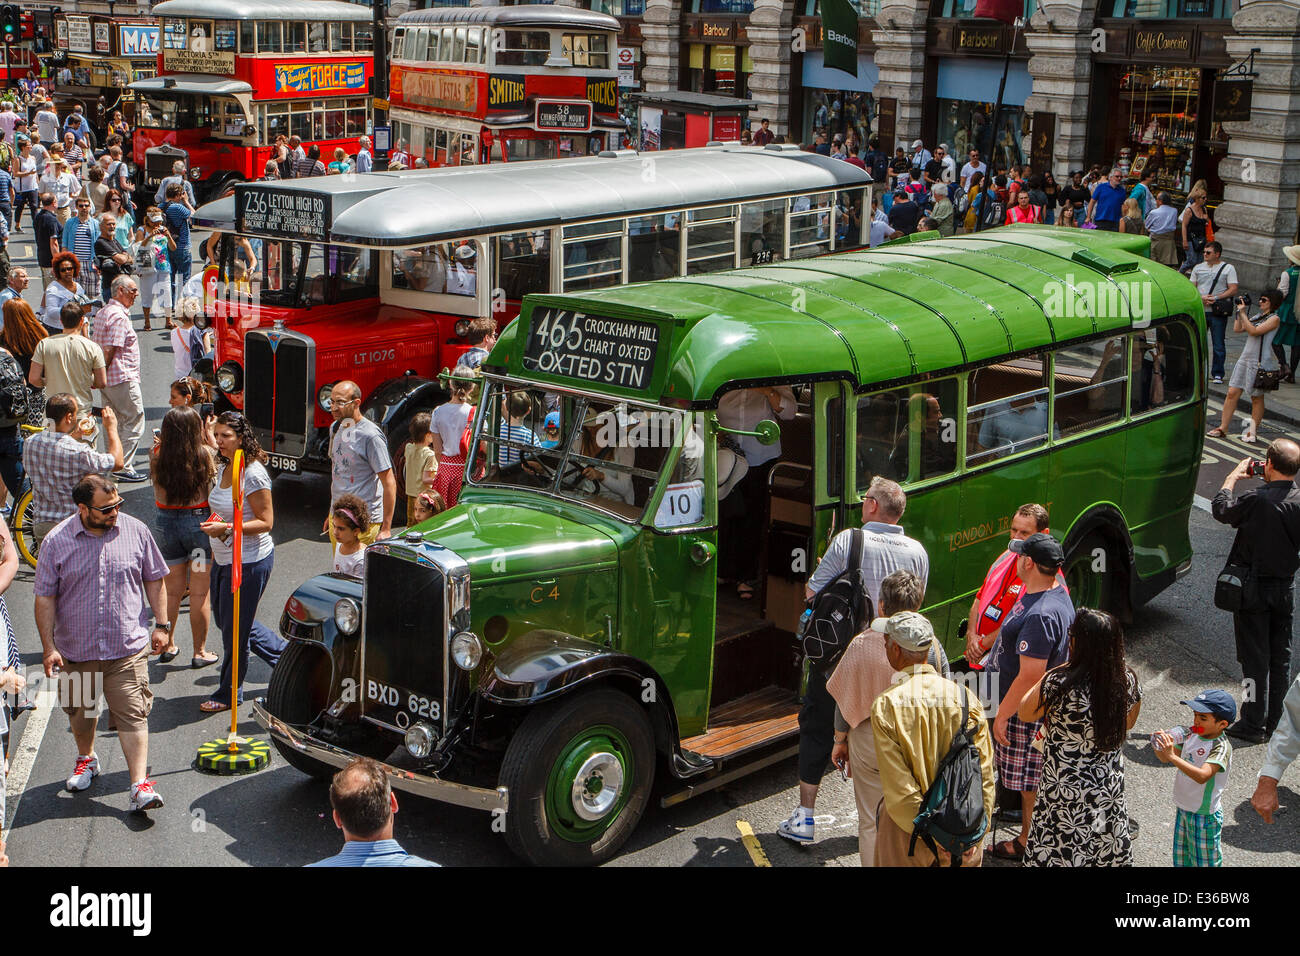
(1056, 699)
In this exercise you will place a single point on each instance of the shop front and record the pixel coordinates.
(1153, 102)
(965, 69)
(830, 100)
(715, 55)
(101, 58)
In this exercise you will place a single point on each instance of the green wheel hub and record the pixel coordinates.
(589, 783)
(1083, 582)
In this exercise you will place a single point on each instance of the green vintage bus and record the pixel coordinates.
(557, 645)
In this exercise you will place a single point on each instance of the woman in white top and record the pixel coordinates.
(232, 432)
(64, 289)
(1256, 354)
(448, 426)
(25, 172)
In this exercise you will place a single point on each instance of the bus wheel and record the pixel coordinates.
(579, 773)
(1091, 573)
(298, 692)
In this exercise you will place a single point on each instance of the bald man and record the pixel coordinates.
(364, 805)
(359, 461)
(1267, 519)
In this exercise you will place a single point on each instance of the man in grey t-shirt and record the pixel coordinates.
(359, 460)
(886, 550)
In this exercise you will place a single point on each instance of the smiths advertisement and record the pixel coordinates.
(320, 77)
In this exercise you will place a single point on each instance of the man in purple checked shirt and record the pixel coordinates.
(96, 570)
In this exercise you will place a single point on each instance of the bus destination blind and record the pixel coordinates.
(284, 215)
(619, 353)
(563, 117)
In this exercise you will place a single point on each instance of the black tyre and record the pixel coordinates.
(579, 772)
(298, 692)
(1092, 570)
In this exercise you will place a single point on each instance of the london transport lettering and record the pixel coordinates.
(319, 77)
(605, 351)
(286, 215)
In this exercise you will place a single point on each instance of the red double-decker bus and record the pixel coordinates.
(234, 74)
(471, 86)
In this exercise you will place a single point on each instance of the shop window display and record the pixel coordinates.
(966, 123)
(835, 112)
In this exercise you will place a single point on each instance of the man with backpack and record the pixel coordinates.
(877, 162)
(927, 729)
(854, 564)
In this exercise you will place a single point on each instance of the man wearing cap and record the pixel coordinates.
(885, 549)
(63, 184)
(904, 215)
(920, 155)
(914, 723)
(1267, 519)
(1035, 638)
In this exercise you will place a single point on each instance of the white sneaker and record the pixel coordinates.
(86, 770)
(143, 797)
(798, 827)
(1248, 433)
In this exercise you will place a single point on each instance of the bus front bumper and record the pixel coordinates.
(422, 785)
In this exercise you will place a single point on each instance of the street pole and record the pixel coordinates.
(379, 78)
(997, 120)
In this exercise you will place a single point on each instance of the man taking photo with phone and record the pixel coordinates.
(1267, 519)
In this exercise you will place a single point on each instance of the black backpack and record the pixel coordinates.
(952, 811)
(879, 165)
(995, 213)
(13, 391)
(838, 612)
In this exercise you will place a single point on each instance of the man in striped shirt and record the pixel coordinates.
(97, 570)
(364, 805)
(310, 164)
(56, 460)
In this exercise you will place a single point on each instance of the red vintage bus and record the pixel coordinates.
(376, 278)
(477, 85)
(233, 74)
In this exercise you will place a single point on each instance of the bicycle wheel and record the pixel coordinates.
(24, 528)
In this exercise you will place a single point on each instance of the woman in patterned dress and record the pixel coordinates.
(1089, 704)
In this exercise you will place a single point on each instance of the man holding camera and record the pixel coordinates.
(1216, 280)
(1267, 520)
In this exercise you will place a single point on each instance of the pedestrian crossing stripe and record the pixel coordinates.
(248, 756)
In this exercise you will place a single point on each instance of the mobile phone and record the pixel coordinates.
(157, 433)
(205, 410)
(214, 517)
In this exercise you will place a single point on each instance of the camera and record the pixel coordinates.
(1244, 299)
(1256, 468)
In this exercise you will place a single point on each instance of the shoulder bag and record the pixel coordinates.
(1220, 308)
(1266, 380)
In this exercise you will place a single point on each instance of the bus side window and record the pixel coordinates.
(1088, 383)
(1006, 409)
(1166, 375)
(653, 247)
(523, 264)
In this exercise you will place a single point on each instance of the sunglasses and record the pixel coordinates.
(108, 509)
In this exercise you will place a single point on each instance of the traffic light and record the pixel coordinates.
(10, 23)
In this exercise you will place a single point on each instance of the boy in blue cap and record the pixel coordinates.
(1203, 756)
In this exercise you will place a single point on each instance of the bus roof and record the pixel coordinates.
(417, 207)
(528, 15)
(205, 83)
(262, 10)
(883, 315)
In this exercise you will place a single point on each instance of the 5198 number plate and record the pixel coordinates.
(283, 463)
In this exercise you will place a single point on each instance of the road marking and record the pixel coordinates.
(756, 854)
(1202, 502)
(20, 768)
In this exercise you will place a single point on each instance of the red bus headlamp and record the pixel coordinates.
(323, 397)
(462, 327)
(230, 378)
(195, 173)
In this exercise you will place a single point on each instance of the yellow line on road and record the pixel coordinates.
(756, 854)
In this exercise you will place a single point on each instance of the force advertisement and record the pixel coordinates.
(320, 77)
